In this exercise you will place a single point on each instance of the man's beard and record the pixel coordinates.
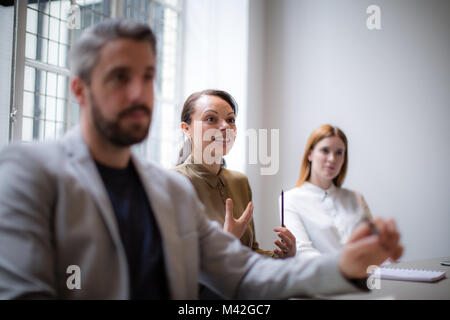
(111, 129)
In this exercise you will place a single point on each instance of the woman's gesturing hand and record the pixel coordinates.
(237, 226)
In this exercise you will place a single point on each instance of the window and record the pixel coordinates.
(45, 110)
(44, 107)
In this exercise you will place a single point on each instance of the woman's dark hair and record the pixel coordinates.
(189, 108)
(189, 104)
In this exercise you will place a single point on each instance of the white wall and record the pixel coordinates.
(264, 220)
(215, 57)
(389, 90)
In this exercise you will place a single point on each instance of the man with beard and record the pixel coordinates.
(85, 218)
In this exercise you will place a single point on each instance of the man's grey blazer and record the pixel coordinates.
(55, 213)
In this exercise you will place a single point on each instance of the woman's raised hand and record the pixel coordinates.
(237, 226)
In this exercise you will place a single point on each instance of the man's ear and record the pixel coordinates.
(79, 90)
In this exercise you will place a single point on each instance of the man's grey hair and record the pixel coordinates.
(86, 50)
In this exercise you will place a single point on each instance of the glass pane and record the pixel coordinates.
(50, 109)
(33, 129)
(64, 32)
(62, 86)
(65, 9)
(27, 129)
(32, 17)
(60, 129)
(43, 24)
(50, 130)
(28, 104)
(172, 2)
(54, 30)
(29, 79)
(168, 89)
(55, 7)
(74, 113)
(38, 104)
(39, 130)
(169, 54)
(30, 46)
(41, 81)
(97, 18)
(86, 17)
(53, 51)
(51, 84)
(44, 6)
(60, 110)
(63, 55)
(32, 4)
(137, 10)
(42, 50)
(168, 134)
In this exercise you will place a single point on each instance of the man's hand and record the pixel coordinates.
(364, 248)
(237, 226)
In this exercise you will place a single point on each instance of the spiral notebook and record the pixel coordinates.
(408, 274)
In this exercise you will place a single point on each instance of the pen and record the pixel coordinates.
(282, 208)
(374, 230)
(372, 226)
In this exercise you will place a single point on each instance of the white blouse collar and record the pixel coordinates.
(322, 194)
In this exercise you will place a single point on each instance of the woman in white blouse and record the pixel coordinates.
(318, 211)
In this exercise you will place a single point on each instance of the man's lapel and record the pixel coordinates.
(82, 161)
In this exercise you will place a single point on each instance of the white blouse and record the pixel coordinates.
(322, 220)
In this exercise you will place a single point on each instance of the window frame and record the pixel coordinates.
(20, 62)
(18, 71)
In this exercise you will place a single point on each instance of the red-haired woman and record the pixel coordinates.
(318, 211)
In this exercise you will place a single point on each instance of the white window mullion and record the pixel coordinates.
(47, 67)
(20, 19)
(68, 115)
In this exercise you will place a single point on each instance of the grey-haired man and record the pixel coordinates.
(83, 217)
